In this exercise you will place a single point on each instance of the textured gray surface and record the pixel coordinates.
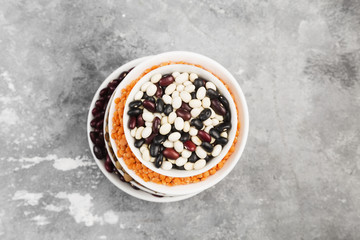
(298, 64)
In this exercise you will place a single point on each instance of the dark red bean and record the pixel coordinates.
(104, 92)
(218, 107)
(166, 80)
(135, 112)
(100, 115)
(189, 145)
(112, 89)
(121, 177)
(159, 92)
(95, 111)
(114, 83)
(109, 166)
(204, 136)
(100, 141)
(132, 122)
(159, 160)
(135, 104)
(94, 122)
(183, 114)
(149, 105)
(170, 153)
(149, 139)
(156, 125)
(123, 75)
(93, 136)
(197, 124)
(98, 153)
(100, 124)
(99, 104)
(140, 121)
(186, 106)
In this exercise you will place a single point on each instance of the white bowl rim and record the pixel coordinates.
(125, 187)
(203, 74)
(223, 73)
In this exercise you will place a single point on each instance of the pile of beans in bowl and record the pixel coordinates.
(179, 120)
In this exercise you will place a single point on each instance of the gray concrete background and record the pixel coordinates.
(298, 63)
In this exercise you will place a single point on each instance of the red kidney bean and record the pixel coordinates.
(123, 75)
(103, 92)
(140, 121)
(112, 89)
(218, 107)
(189, 145)
(183, 114)
(159, 92)
(98, 153)
(100, 141)
(149, 105)
(94, 122)
(99, 115)
(95, 111)
(100, 124)
(149, 139)
(156, 125)
(186, 106)
(93, 136)
(109, 166)
(171, 153)
(114, 83)
(132, 122)
(166, 80)
(204, 136)
(99, 104)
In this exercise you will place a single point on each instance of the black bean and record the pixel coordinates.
(214, 133)
(162, 148)
(152, 99)
(144, 96)
(178, 167)
(139, 143)
(222, 141)
(135, 104)
(197, 124)
(184, 137)
(224, 101)
(223, 126)
(159, 139)
(207, 146)
(168, 109)
(227, 117)
(159, 160)
(135, 112)
(205, 114)
(193, 95)
(208, 158)
(211, 93)
(173, 129)
(154, 150)
(193, 157)
(160, 105)
(199, 83)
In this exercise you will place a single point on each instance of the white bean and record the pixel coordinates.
(146, 132)
(209, 85)
(219, 117)
(212, 140)
(172, 161)
(146, 155)
(168, 144)
(189, 166)
(186, 153)
(176, 103)
(199, 164)
(207, 129)
(182, 77)
(169, 89)
(145, 86)
(172, 117)
(173, 137)
(138, 95)
(166, 165)
(152, 159)
(180, 88)
(195, 103)
(181, 161)
(186, 126)
(193, 131)
(201, 93)
(196, 140)
(156, 78)
(190, 88)
(207, 122)
(143, 148)
(164, 120)
(158, 115)
(206, 102)
(165, 129)
(133, 132)
(187, 83)
(195, 112)
(224, 134)
(167, 99)
(179, 123)
(193, 76)
(148, 116)
(148, 124)
(185, 96)
(179, 146)
(138, 133)
(215, 121)
(213, 114)
(175, 94)
(151, 90)
(175, 74)
(200, 152)
(216, 151)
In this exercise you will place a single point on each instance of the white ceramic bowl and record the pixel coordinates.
(114, 179)
(243, 118)
(203, 74)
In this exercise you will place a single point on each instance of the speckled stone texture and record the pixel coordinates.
(298, 63)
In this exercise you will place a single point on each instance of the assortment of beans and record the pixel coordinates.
(179, 120)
